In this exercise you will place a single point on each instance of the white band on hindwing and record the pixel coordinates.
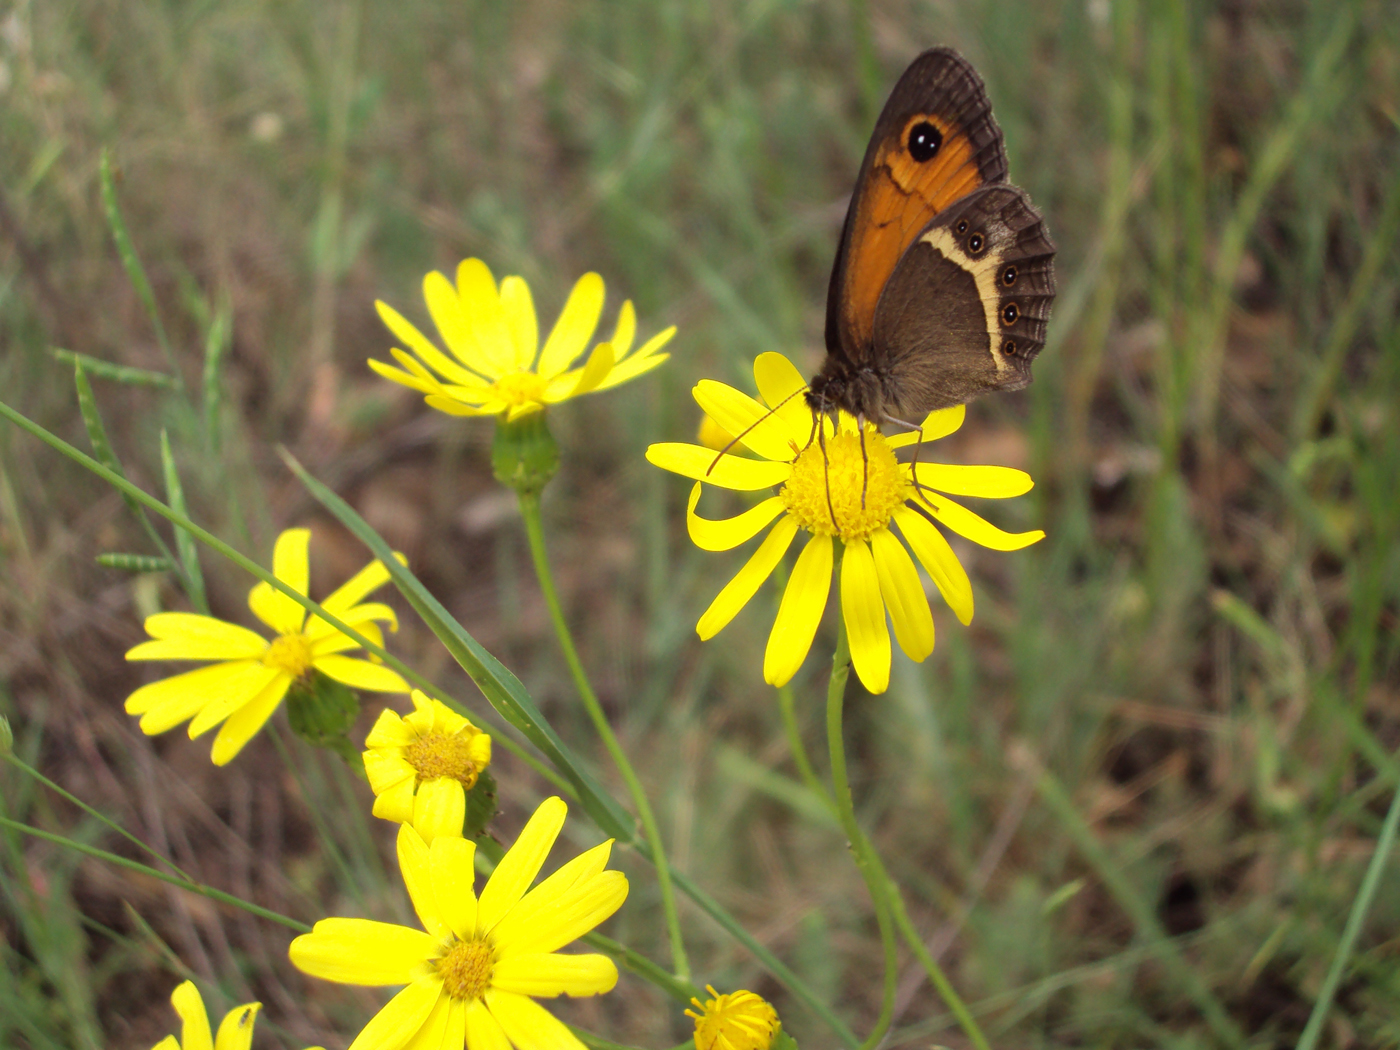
(984, 273)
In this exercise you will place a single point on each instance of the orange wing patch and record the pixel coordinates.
(899, 199)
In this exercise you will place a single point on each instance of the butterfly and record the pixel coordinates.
(944, 275)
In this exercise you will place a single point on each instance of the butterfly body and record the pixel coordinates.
(944, 276)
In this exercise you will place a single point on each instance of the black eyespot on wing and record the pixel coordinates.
(975, 243)
(1009, 313)
(924, 141)
(961, 227)
(1008, 347)
(1008, 276)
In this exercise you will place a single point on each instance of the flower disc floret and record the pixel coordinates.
(833, 485)
(466, 969)
(859, 483)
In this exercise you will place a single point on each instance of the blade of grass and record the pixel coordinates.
(184, 542)
(116, 373)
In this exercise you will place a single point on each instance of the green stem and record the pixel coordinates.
(29, 770)
(534, 530)
(156, 873)
(935, 972)
(1359, 908)
(799, 749)
(866, 860)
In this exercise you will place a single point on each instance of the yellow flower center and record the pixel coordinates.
(439, 755)
(290, 653)
(847, 492)
(520, 388)
(738, 1021)
(466, 969)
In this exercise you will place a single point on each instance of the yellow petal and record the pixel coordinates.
(729, 472)
(247, 689)
(402, 1018)
(435, 1032)
(746, 582)
(484, 1032)
(458, 408)
(362, 951)
(937, 424)
(289, 564)
(986, 482)
(600, 363)
(423, 347)
(189, 636)
(864, 613)
(168, 1043)
(395, 802)
(194, 1032)
(528, 1024)
(728, 533)
(390, 730)
(575, 326)
(521, 863)
(236, 1029)
(800, 612)
(165, 704)
(643, 361)
(938, 561)
(358, 587)
(524, 329)
(323, 642)
(494, 351)
(976, 528)
(904, 596)
(415, 865)
(439, 808)
(530, 927)
(762, 430)
(544, 976)
(586, 865)
(446, 311)
(361, 674)
(426, 381)
(625, 331)
(410, 379)
(245, 722)
(454, 876)
(780, 384)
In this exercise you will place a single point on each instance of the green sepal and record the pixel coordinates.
(524, 455)
(783, 1041)
(321, 711)
(481, 806)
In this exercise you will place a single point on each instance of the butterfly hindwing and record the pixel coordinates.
(965, 310)
(935, 142)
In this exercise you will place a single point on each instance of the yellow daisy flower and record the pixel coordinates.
(473, 976)
(235, 1031)
(253, 675)
(422, 765)
(499, 368)
(737, 1021)
(854, 490)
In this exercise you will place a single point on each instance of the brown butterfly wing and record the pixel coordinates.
(897, 195)
(965, 310)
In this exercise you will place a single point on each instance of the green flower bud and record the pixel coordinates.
(321, 711)
(524, 456)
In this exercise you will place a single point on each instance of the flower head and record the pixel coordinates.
(736, 1021)
(497, 367)
(253, 674)
(235, 1031)
(422, 765)
(837, 483)
(474, 971)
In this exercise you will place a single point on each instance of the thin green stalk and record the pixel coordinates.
(29, 770)
(866, 860)
(534, 530)
(1359, 907)
(156, 873)
(798, 749)
(935, 972)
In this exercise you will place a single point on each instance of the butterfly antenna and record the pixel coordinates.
(826, 476)
(743, 433)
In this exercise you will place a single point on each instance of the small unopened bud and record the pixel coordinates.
(524, 456)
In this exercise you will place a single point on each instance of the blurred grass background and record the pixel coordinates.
(1202, 655)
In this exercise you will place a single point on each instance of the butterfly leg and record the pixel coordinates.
(826, 475)
(919, 486)
(864, 462)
